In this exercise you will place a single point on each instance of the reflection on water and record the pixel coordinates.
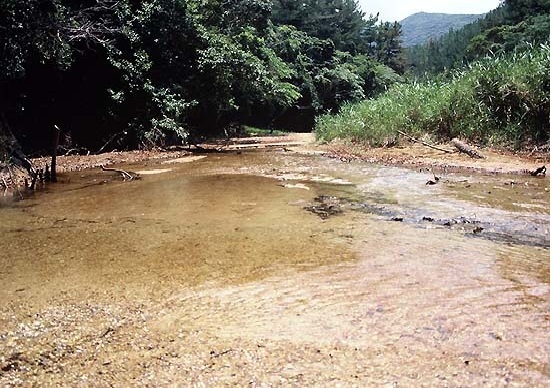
(213, 272)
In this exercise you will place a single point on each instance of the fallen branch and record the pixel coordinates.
(107, 331)
(121, 134)
(127, 176)
(540, 171)
(76, 151)
(214, 354)
(464, 148)
(424, 143)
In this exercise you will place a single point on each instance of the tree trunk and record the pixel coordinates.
(55, 144)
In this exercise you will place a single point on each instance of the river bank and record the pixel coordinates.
(420, 156)
(407, 154)
(216, 271)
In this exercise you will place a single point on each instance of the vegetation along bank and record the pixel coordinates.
(487, 82)
(496, 101)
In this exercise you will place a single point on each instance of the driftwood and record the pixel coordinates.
(540, 171)
(127, 176)
(424, 143)
(466, 149)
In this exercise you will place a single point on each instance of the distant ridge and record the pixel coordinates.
(422, 26)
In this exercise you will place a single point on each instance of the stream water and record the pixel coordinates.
(276, 268)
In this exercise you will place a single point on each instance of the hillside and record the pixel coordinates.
(421, 26)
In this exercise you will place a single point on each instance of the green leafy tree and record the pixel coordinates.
(238, 70)
(341, 21)
(156, 72)
(385, 45)
(39, 45)
(326, 77)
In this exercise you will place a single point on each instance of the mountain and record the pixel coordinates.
(421, 26)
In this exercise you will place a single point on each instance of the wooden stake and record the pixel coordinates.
(55, 143)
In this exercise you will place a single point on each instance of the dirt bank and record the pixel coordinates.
(416, 155)
(407, 154)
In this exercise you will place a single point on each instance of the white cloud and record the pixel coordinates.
(392, 10)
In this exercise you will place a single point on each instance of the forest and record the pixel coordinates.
(420, 27)
(160, 72)
(510, 27)
(130, 74)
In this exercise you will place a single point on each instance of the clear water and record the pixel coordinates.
(216, 273)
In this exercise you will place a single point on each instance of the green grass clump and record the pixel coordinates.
(502, 101)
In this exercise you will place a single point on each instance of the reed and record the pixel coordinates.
(497, 101)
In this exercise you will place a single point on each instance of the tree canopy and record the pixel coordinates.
(155, 72)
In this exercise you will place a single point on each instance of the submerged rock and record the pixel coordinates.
(327, 206)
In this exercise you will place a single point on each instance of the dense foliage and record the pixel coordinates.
(128, 73)
(500, 101)
(488, 82)
(145, 73)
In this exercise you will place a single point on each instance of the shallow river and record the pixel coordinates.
(277, 268)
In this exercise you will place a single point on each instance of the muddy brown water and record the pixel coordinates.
(218, 272)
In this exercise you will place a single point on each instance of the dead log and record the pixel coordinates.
(466, 149)
(540, 171)
(424, 143)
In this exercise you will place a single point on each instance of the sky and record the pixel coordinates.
(396, 10)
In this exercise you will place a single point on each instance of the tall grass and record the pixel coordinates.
(501, 101)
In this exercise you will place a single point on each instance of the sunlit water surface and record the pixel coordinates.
(219, 272)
